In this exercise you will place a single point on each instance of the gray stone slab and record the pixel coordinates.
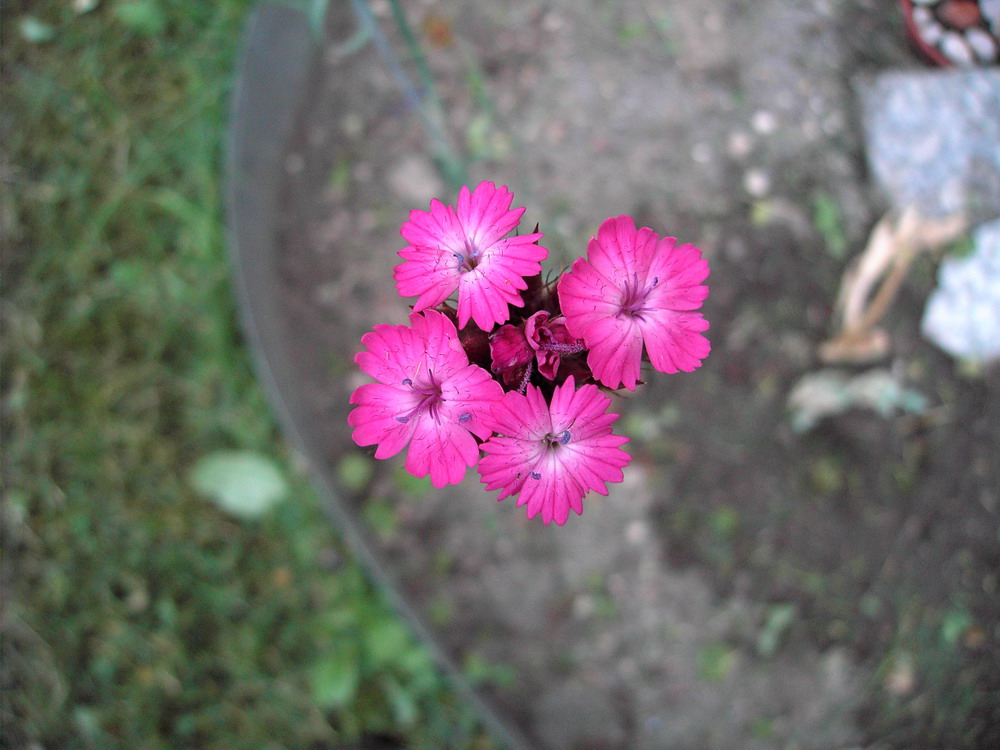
(933, 140)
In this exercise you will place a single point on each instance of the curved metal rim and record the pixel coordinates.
(277, 53)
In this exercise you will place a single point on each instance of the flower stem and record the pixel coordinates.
(428, 105)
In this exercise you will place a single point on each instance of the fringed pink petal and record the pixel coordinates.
(620, 250)
(443, 450)
(586, 297)
(426, 273)
(485, 214)
(552, 454)
(635, 292)
(674, 340)
(428, 397)
(615, 352)
(467, 249)
(374, 420)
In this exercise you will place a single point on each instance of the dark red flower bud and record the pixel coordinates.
(510, 354)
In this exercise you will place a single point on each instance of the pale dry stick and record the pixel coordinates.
(864, 272)
(893, 245)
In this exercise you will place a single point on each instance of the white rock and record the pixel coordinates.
(962, 315)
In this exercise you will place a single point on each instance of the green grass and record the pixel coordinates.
(136, 612)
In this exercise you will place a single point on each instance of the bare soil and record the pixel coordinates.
(746, 586)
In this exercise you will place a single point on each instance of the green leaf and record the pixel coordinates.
(415, 663)
(355, 471)
(954, 625)
(335, 679)
(762, 728)
(382, 517)
(830, 224)
(716, 661)
(385, 641)
(144, 17)
(404, 705)
(480, 671)
(725, 521)
(242, 483)
(35, 31)
(779, 618)
(628, 32)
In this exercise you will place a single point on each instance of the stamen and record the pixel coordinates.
(535, 475)
(633, 302)
(468, 260)
(527, 376)
(430, 397)
(465, 417)
(553, 441)
(553, 346)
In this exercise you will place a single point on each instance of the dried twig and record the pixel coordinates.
(872, 281)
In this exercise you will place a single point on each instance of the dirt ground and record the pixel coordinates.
(748, 585)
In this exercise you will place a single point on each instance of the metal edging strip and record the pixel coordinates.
(275, 59)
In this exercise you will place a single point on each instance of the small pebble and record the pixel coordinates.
(553, 22)
(739, 144)
(352, 124)
(757, 182)
(584, 607)
(764, 122)
(637, 532)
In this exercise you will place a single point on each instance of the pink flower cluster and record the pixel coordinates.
(511, 378)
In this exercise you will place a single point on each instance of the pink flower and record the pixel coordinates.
(636, 290)
(427, 396)
(541, 338)
(469, 250)
(551, 339)
(551, 455)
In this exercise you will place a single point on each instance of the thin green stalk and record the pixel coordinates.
(426, 102)
(416, 52)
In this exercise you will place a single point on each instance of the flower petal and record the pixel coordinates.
(485, 214)
(674, 342)
(587, 297)
(429, 397)
(551, 471)
(680, 271)
(374, 420)
(431, 274)
(620, 251)
(443, 450)
(467, 249)
(615, 352)
(467, 399)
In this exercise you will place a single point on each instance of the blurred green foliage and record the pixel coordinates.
(137, 613)
(829, 222)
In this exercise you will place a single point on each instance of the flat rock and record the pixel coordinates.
(963, 314)
(933, 140)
